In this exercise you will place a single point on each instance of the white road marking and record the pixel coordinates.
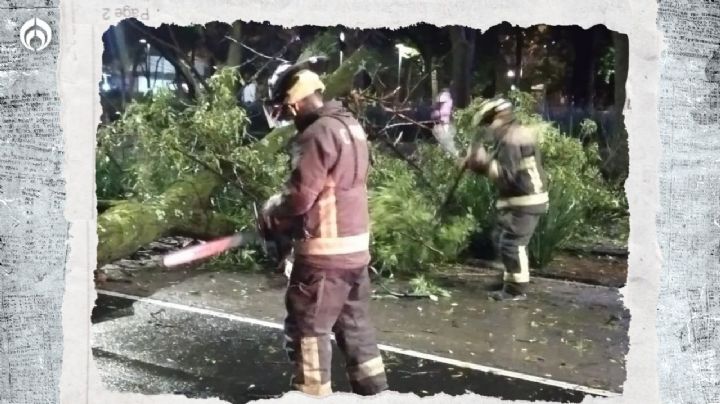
(388, 348)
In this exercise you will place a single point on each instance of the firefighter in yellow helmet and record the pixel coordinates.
(326, 201)
(515, 167)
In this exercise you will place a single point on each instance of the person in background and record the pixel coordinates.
(443, 129)
(249, 93)
(326, 200)
(516, 169)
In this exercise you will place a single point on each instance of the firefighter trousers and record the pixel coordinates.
(322, 301)
(513, 232)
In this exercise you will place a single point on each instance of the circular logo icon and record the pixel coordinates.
(35, 34)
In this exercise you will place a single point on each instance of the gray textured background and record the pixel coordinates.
(689, 220)
(33, 230)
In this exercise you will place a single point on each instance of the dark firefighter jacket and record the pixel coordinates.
(327, 190)
(517, 171)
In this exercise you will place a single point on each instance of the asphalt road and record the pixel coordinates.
(144, 347)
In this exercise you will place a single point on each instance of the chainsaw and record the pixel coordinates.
(275, 243)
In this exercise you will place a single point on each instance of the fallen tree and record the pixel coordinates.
(184, 207)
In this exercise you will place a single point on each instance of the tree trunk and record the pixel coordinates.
(583, 71)
(488, 49)
(518, 55)
(133, 78)
(463, 53)
(124, 97)
(620, 159)
(433, 79)
(182, 209)
(147, 69)
(234, 57)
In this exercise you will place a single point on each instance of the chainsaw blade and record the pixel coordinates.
(209, 249)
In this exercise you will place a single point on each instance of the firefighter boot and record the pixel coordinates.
(511, 292)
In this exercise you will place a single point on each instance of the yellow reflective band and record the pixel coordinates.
(526, 163)
(310, 362)
(493, 170)
(328, 213)
(529, 164)
(527, 200)
(524, 275)
(524, 262)
(333, 246)
(315, 389)
(370, 368)
(516, 277)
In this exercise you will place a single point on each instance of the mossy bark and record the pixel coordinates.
(182, 209)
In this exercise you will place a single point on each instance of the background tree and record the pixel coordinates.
(463, 56)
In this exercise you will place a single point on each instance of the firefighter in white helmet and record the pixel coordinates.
(326, 199)
(515, 167)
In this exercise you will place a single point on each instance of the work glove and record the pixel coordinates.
(268, 223)
(478, 159)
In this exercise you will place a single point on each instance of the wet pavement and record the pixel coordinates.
(143, 348)
(566, 334)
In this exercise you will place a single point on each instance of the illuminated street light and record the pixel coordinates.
(105, 85)
(511, 73)
(404, 52)
(341, 45)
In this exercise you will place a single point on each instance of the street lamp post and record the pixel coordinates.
(400, 49)
(404, 52)
(341, 45)
(147, 62)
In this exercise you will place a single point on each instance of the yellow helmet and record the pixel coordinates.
(292, 83)
(488, 109)
(301, 85)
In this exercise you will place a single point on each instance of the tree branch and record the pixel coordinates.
(177, 61)
(254, 51)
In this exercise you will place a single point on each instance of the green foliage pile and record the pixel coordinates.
(161, 138)
(407, 236)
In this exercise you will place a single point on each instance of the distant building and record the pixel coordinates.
(162, 75)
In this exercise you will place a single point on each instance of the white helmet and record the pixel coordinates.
(489, 109)
(290, 84)
(274, 78)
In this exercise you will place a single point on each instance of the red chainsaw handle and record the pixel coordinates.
(208, 249)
